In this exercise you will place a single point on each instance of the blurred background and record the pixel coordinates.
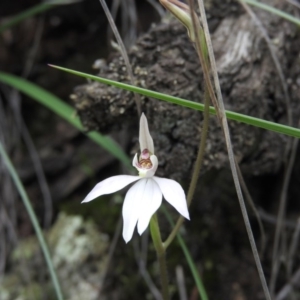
(58, 166)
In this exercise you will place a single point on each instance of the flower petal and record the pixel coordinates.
(110, 185)
(131, 208)
(149, 204)
(146, 172)
(135, 161)
(174, 194)
(146, 141)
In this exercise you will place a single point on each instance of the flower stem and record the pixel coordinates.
(197, 168)
(163, 275)
(197, 37)
(161, 256)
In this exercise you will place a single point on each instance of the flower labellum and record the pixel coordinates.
(144, 198)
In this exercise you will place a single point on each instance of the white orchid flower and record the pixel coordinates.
(145, 197)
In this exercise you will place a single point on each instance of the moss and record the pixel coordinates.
(26, 249)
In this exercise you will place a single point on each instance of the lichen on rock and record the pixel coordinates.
(79, 254)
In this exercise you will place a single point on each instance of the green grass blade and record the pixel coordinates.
(189, 259)
(279, 128)
(33, 219)
(274, 10)
(37, 9)
(63, 110)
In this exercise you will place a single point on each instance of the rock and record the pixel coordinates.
(164, 60)
(79, 255)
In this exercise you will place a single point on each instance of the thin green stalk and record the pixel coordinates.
(37, 9)
(34, 221)
(279, 128)
(163, 275)
(197, 168)
(201, 150)
(161, 256)
(201, 49)
(254, 209)
(124, 54)
(225, 127)
(189, 259)
(279, 231)
(25, 15)
(274, 10)
(63, 110)
(198, 281)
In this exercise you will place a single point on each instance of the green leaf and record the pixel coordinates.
(63, 110)
(33, 219)
(37, 9)
(189, 259)
(279, 128)
(274, 10)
